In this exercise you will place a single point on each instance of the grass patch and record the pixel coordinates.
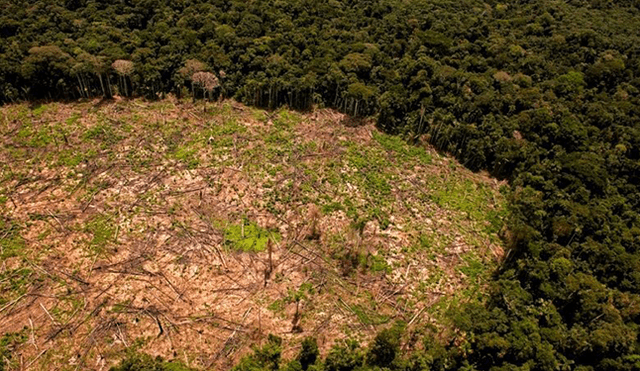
(400, 147)
(248, 237)
(72, 158)
(299, 294)
(332, 206)
(278, 143)
(120, 307)
(376, 263)
(369, 317)
(34, 137)
(102, 231)
(465, 196)
(229, 127)
(372, 170)
(187, 155)
(473, 267)
(103, 133)
(9, 342)
(496, 219)
(39, 110)
(277, 306)
(286, 119)
(73, 119)
(14, 283)
(11, 242)
(66, 307)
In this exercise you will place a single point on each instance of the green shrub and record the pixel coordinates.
(385, 346)
(346, 357)
(308, 353)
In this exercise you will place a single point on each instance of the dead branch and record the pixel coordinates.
(222, 348)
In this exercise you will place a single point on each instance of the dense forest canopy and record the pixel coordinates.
(544, 93)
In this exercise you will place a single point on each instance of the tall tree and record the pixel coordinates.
(123, 68)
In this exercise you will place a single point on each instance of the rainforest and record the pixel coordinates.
(488, 149)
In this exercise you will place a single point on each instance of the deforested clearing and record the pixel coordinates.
(193, 233)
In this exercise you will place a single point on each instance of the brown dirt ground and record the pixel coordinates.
(166, 283)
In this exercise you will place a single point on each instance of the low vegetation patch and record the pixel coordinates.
(249, 237)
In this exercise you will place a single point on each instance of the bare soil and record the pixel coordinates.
(117, 219)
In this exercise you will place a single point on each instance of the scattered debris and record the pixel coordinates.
(166, 232)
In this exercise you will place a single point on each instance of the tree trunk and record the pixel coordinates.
(80, 84)
(104, 93)
(85, 87)
(109, 86)
(204, 100)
